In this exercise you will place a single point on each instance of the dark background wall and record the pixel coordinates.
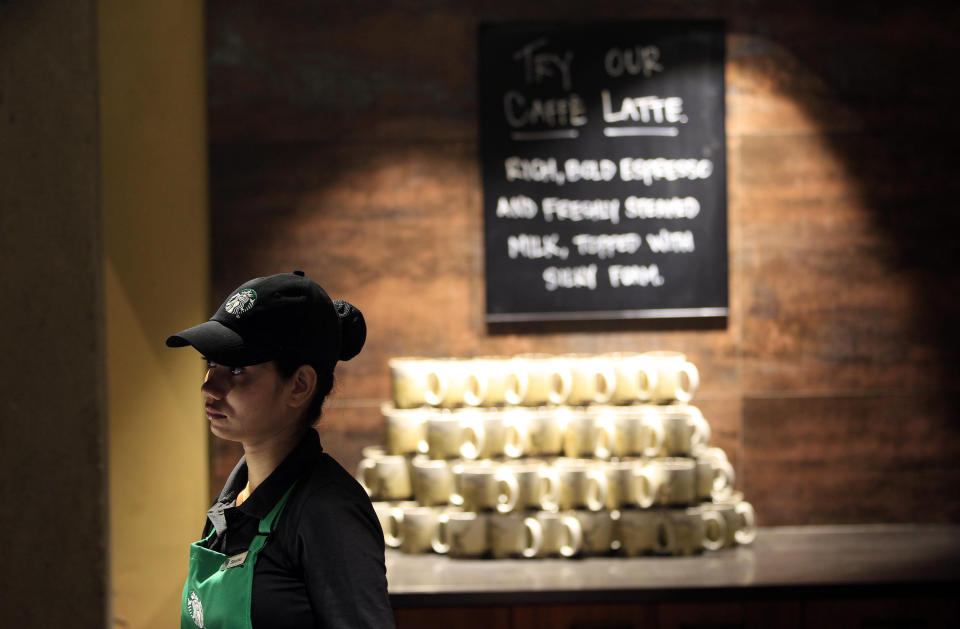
(344, 142)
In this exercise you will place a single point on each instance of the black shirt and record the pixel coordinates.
(324, 564)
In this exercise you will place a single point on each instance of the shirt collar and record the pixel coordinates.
(266, 495)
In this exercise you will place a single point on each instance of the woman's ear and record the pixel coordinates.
(304, 383)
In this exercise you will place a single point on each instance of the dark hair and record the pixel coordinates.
(286, 367)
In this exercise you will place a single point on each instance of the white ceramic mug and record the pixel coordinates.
(689, 530)
(405, 428)
(545, 430)
(461, 534)
(636, 378)
(630, 483)
(592, 380)
(583, 484)
(744, 519)
(432, 481)
(677, 378)
(419, 529)
(676, 481)
(641, 532)
(537, 380)
(597, 531)
(390, 515)
(417, 382)
(486, 381)
(385, 476)
(588, 433)
(562, 534)
(482, 485)
(537, 484)
(637, 430)
(715, 477)
(515, 535)
(454, 435)
(685, 431)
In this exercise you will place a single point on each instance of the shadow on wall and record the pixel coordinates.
(346, 141)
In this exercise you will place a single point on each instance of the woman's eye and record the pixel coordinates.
(236, 370)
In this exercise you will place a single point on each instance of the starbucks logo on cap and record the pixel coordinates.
(195, 608)
(241, 301)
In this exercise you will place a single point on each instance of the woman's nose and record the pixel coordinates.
(212, 385)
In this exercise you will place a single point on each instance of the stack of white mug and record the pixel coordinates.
(540, 456)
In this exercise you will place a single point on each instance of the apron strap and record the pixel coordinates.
(269, 523)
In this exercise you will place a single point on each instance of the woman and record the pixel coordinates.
(292, 540)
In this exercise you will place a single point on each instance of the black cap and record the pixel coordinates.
(281, 316)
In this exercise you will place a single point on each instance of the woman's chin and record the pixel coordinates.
(218, 429)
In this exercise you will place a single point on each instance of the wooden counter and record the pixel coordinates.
(896, 575)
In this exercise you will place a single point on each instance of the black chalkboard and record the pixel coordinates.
(604, 174)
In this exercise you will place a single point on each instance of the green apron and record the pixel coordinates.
(219, 588)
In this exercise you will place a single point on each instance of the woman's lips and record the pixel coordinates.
(212, 413)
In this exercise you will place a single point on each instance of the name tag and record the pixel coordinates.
(236, 560)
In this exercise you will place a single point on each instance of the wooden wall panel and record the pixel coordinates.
(870, 458)
(344, 142)
(460, 617)
(585, 616)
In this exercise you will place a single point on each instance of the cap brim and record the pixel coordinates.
(220, 344)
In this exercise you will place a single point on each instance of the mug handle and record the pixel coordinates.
(575, 533)
(472, 448)
(456, 498)
(646, 377)
(518, 380)
(507, 500)
(368, 480)
(518, 438)
(693, 381)
(700, 437)
(721, 529)
(748, 532)
(723, 479)
(550, 489)
(645, 487)
(609, 377)
(654, 429)
(440, 542)
(394, 537)
(665, 538)
(564, 376)
(434, 387)
(535, 530)
(604, 438)
(598, 497)
(476, 390)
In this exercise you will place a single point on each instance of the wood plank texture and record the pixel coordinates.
(344, 142)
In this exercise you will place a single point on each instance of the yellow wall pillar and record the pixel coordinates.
(156, 257)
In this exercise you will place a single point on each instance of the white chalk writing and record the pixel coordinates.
(634, 275)
(540, 66)
(581, 210)
(671, 242)
(516, 207)
(535, 169)
(570, 277)
(590, 169)
(676, 207)
(650, 170)
(606, 245)
(643, 60)
(536, 246)
(644, 109)
(552, 112)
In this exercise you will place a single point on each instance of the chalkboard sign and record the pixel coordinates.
(604, 175)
